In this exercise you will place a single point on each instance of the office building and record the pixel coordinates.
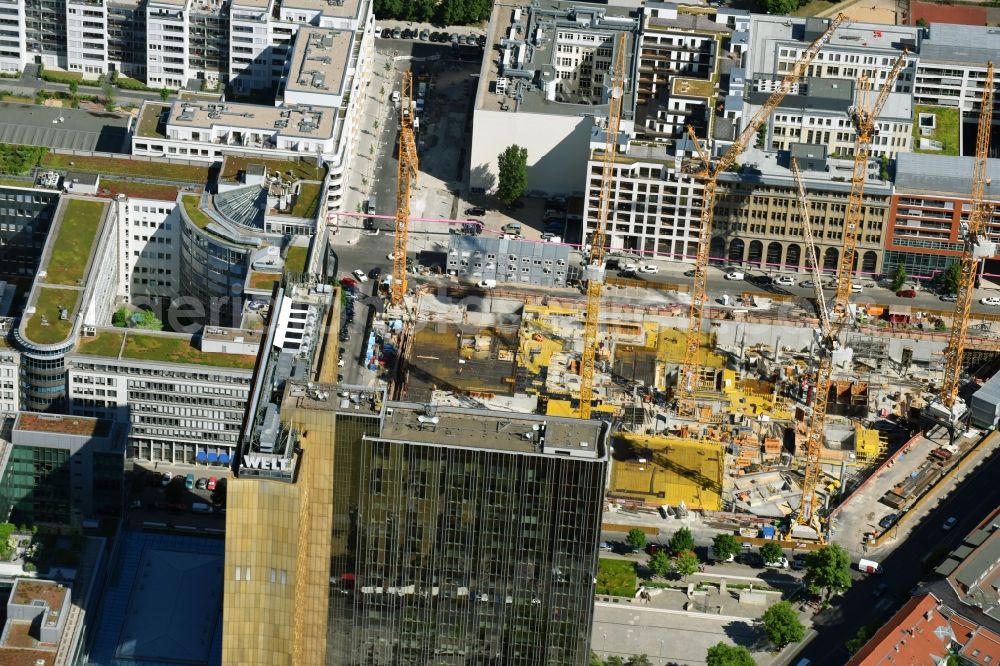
(364, 531)
(930, 205)
(952, 65)
(62, 470)
(25, 216)
(547, 87)
(42, 626)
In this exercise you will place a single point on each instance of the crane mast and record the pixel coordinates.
(813, 256)
(595, 265)
(970, 258)
(687, 379)
(864, 119)
(406, 176)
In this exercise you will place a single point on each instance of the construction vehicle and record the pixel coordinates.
(406, 176)
(595, 266)
(864, 120)
(949, 408)
(687, 381)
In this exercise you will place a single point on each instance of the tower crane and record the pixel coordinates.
(687, 379)
(812, 256)
(976, 247)
(595, 264)
(864, 121)
(406, 176)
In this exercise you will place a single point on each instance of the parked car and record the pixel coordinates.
(990, 300)
(201, 484)
(475, 211)
(165, 478)
(879, 589)
(888, 521)
(374, 273)
(912, 293)
(212, 482)
(949, 298)
(360, 275)
(425, 35)
(950, 523)
(648, 268)
(736, 275)
(780, 563)
(396, 33)
(785, 280)
(653, 548)
(487, 284)
(189, 481)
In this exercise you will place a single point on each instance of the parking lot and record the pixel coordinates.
(150, 499)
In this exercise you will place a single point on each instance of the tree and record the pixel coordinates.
(922, 22)
(781, 624)
(884, 168)
(762, 135)
(74, 87)
(722, 654)
(120, 318)
(164, 94)
(771, 552)
(948, 280)
(638, 660)
(513, 167)
(681, 540)
(595, 659)
(864, 634)
(636, 538)
(775, 6)
(659, 563)
(725, 546)
(899, 277)
(828, 571)
(686, 563)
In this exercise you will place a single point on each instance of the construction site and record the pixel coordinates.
(770, 420)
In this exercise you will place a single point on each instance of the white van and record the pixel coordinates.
(856, 288)
(487, 284)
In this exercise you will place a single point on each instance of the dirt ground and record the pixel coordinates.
(869, 11)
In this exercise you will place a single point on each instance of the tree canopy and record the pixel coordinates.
(771, 552)
(725, 546)
(513, 177)
(659, 563)
(723, 654)
(781, 624)
(686, 563)
(681, 540)
(828, 571)
(440, 12)
(636, 538)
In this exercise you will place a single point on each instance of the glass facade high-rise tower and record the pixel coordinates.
(407, 533)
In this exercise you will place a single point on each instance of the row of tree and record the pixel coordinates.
(440, 12)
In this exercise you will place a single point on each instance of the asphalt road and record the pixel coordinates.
(970, 503)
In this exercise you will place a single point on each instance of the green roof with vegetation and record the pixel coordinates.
(616, 578)
(306, 201)
(160, 169)
(71, 249)
(17, 159)
(150, 121)
(302, 169)
(163, 348)
(180, 350)
(104, 343)
(295, 262)
(263, 281)
(947, 128)
(140, 190)
(194, 212)
(44, 327)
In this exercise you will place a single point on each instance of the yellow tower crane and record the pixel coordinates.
(812, 255)
(595, 265)
(406, 176)
(864, 121)
(687, 382)
(976, 247)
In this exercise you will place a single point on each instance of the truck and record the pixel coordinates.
(869, 566)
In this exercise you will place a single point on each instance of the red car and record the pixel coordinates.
(211, 482)
(653, 548)
(907, 293)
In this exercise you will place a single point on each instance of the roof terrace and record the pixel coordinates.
(163, 347)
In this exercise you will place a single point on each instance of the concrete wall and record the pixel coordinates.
(558, 149)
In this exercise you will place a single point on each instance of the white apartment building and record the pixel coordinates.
(148, 248)
(86, 37)
(546, 88)
(952, 65)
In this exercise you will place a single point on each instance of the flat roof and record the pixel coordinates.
(160, 348)
(68, 129)
(334, 8)
(75, 233)
(546, 18)
(233, 335)
(943, 174)
(973, 45)
(65, 425)
(26, 591)
(319, 60)
(484, 429)
(314, 122)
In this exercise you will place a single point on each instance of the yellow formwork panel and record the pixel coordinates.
(565, 408)
(670, 345)
(869, 445)
(675, 470)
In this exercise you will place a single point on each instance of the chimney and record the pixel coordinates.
(929, 615)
